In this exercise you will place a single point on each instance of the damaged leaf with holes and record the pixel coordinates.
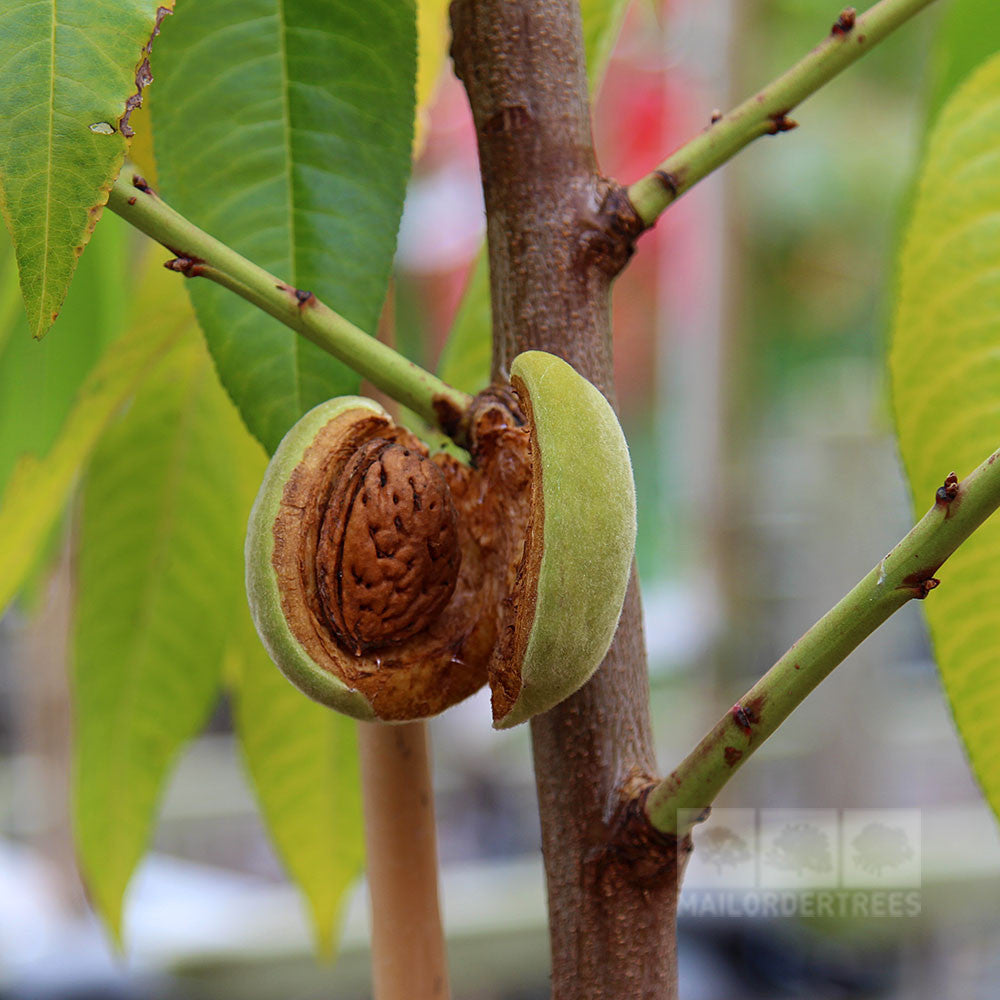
(70, 74)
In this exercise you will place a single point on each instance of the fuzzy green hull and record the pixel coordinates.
(589, 532)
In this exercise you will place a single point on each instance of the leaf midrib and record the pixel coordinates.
(122, 730)
(287, 122)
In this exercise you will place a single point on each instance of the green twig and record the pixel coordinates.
(766, 113)
(907, 572)
(199, 255)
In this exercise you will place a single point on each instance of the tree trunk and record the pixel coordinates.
(558, 234)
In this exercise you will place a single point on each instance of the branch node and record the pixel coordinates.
(190, 267)
(920, 584)
(634, 851)
(671, 182)
(780, 122)
(745, 717)
(845, 23)
(716, 115)
(139, 182)
(946, 493)
(303, 299)
(608, 233)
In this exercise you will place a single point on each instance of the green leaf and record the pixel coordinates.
(303, 761)
(160, 560)
(466, 358)
(969, 33)
(602, 23)
(468, 353)
(39, 379)
(945, 369)
(11, 311)
(297, 155)
(67, 70)
(39, 488)
(301, 757)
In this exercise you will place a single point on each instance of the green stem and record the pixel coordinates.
(907, 572)
(765, 113)
(201, 255)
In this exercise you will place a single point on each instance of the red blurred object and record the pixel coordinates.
(642, 112)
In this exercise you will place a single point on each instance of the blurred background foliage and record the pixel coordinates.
(750, 333)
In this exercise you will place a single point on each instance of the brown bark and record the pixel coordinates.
(558, 233)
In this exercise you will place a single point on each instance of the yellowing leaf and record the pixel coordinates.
(39, 380)
(303, 761)
(945, 369)
(602, 23)
(432, 50)
(38, 488)
(159, 567)
(67, 72)
(161, 606)
(301, 757)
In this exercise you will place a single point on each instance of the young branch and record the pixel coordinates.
(766, 113)
(198, 255)
(907, 572)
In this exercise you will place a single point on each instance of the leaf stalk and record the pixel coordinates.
(197, 254)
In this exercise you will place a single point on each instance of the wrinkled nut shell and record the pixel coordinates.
(388, 554)
(579, 544)
(429, 651)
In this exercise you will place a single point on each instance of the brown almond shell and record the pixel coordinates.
(411, 679)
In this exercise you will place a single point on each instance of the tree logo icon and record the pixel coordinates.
(801, 848)
(722, 848)
(879, 847)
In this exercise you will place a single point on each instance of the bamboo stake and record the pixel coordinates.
(408, 949)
